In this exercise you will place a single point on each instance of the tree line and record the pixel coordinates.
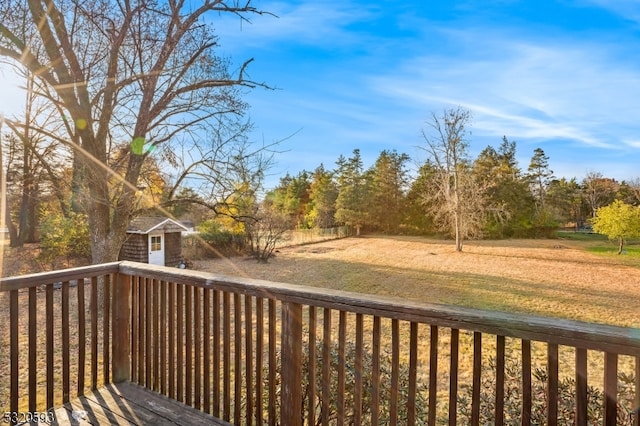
(452, 194)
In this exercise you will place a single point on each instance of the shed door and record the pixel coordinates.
(156, 249)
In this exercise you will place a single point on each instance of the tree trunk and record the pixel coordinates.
(13, 231)
(620, 245)
(458, 231)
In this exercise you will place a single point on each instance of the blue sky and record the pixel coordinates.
(560, 75)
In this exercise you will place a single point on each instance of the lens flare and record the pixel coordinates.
(137, 145)
(81, 124)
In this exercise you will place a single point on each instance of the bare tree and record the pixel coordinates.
(265, 230)
(133, 75)
(455, 198)
(598, 190)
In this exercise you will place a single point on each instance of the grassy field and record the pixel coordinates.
(577, 276)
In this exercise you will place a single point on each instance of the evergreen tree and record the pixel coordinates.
(291, 198)
(565, 201)
(539, 176)
(353, 192)
(322, 199)
(389, 183)
(508, 198)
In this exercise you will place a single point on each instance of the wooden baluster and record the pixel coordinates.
(291, 404)
(50, 341)
(122, 328)
(197, 347)
(148, 332)
(206, 346)
(82, 335)
(172, 344)
(188, 332)
(135, 328)
(106, 330)
(311, 418)
(14, 314)
(500, 365)
(342, 342)
(66, 343)
(226, 355)
(395, 367)
(552, 384)
(326, 366)
(259, 362)
(477, 373)
(33, 349)
(272, 362)
(610, 388)
(216, 353)
(94, 333)
(413, 373)
(375, 372)
(359, 385)
(142, 291)
(248, 356)
(453, 376)
(433, 375)
(179, 365)
(526, 382)
(155, 370)
(581, 387)
(237, 349)
(163, 338)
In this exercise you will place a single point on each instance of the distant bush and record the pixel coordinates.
(63, 237)
(218, 239)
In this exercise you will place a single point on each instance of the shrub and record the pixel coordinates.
(348, 363)
(223, 240)
(513, 398)
(63, 237)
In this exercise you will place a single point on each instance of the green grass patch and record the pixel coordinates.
(581, 236)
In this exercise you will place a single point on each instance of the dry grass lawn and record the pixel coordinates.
(555, 278)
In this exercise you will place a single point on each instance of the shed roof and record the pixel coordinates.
(145, 225)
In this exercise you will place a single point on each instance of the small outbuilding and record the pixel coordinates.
(154, 240)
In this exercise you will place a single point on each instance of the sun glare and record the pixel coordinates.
(12, 95)
(12, 99)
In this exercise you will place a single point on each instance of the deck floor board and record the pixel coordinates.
(129, 404)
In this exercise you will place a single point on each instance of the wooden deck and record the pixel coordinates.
(130, 404)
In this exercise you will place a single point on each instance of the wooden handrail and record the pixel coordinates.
(31, 280)
(602, 337)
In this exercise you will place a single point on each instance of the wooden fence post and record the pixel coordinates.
(121, 329)
(291, 392)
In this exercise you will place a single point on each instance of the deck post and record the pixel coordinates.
(121, 330)
(291, 393)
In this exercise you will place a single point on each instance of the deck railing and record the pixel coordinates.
(258, 352)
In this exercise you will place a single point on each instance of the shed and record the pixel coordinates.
(154, 240)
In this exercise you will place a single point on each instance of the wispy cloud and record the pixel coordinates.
(321, 24)
(527, 88)
(627, 9)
